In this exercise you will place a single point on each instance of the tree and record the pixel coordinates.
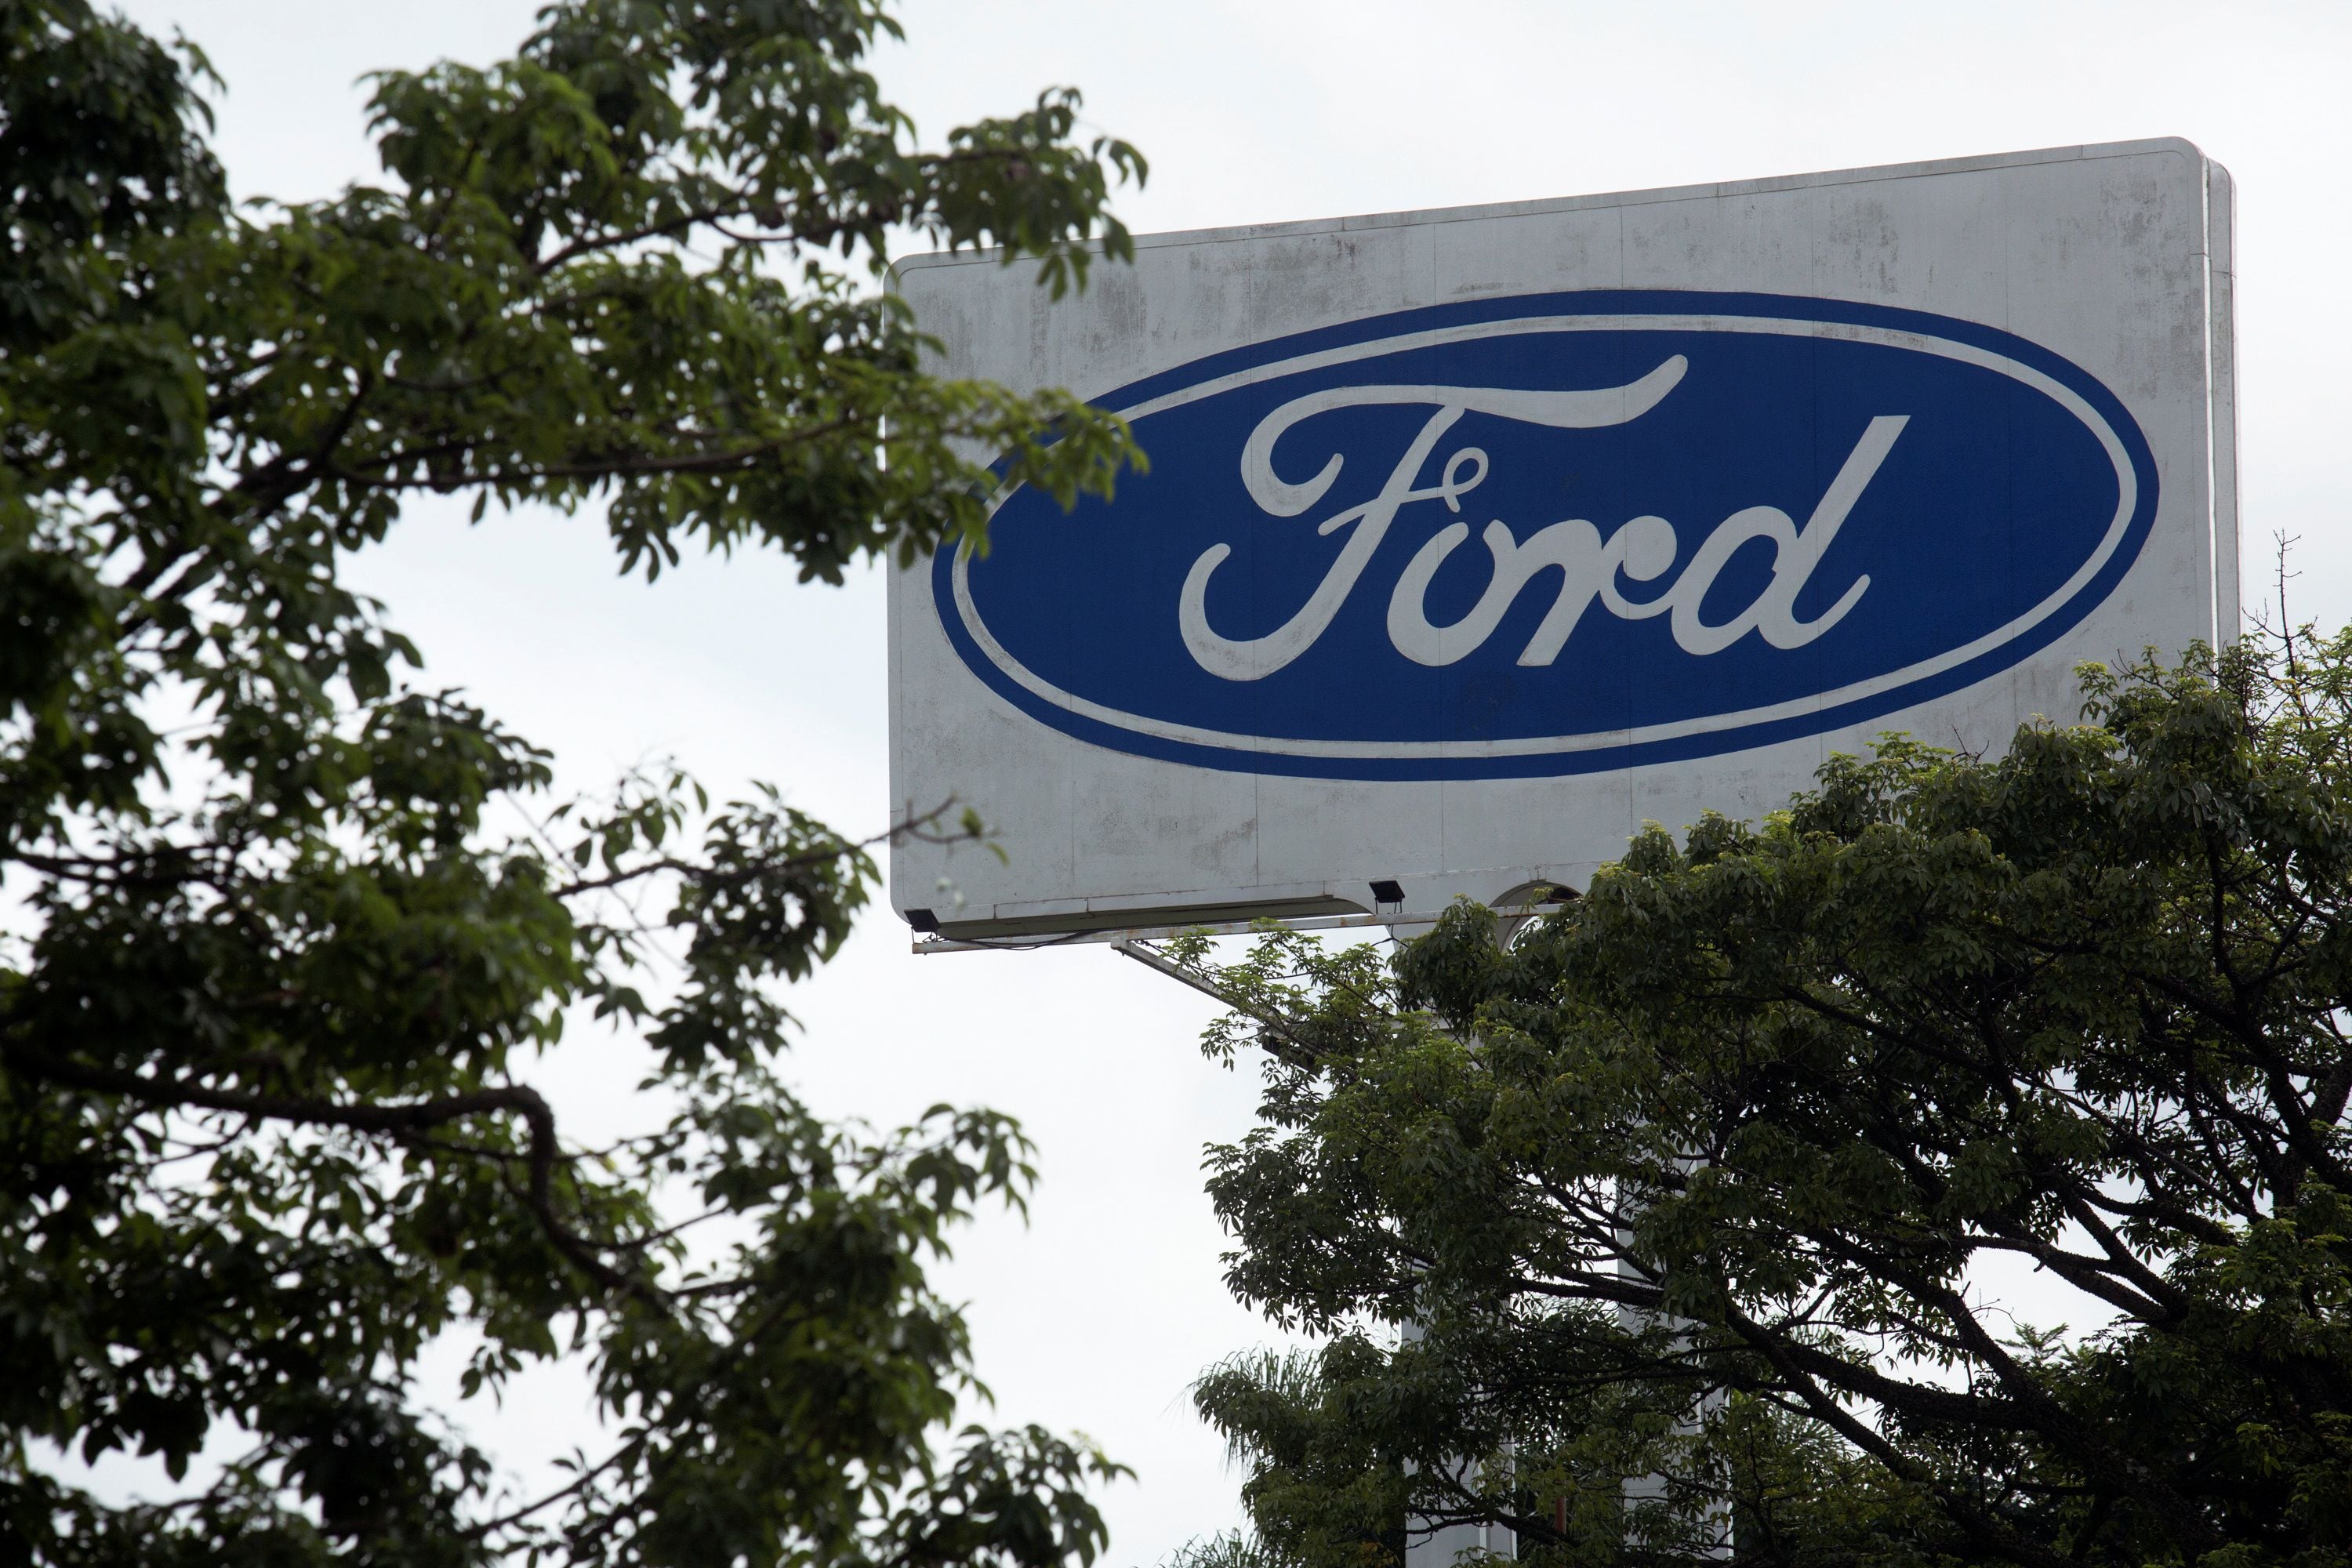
(1952, 1167)
(276, 971)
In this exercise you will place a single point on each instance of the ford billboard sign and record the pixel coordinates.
(1473, 539)
(1560, 533)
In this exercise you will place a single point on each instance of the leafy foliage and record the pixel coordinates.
(275, 971)
(1953, 1167)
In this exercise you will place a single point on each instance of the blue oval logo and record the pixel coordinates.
(1559, 533)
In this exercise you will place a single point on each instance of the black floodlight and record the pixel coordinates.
(1559, 895)
(924, 920)
(1388, 892)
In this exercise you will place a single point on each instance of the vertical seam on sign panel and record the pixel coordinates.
(2216, 292)
(1425, 286)
(2222, 362)
(2013, 678)
(2229, 322)
(1813, 265)
(1629, 775)
(2210, 507)
(1251, 328)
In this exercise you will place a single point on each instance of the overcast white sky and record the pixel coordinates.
(1099, 1312)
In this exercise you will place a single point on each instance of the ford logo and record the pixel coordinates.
(1559, 533)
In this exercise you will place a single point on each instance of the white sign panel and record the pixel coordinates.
(1473, 539)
